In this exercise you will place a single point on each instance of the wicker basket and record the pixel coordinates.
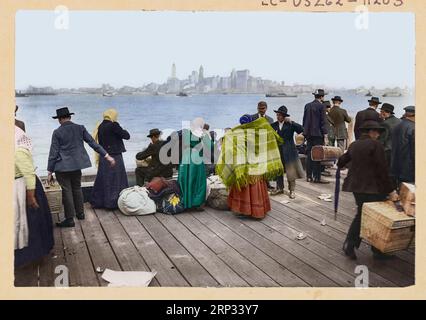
(54, 196)
(385, 228)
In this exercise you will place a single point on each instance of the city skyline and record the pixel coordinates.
(135, 48)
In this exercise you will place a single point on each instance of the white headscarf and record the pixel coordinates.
(197, 126)
(22, 140)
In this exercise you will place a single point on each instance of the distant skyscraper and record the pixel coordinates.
(201, 75)
(242, 80)
(173, 71)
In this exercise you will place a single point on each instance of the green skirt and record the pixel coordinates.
(193, 184)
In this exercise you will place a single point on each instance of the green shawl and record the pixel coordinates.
(250, 153)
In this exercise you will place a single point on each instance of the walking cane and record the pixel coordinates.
(336, 194)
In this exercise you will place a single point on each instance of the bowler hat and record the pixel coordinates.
(371, 125)
(319, 92)
(62, 112)
(283, 110)
(375, 100)
(388, 108)
(154, 132)
(410, 109)
(337, 98)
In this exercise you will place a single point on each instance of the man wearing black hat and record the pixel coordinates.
(315, 131)
(289, 155)
(67, 157)
(403, 166)
(339, 117)
(368, 179)
(368, 114)
(389, 123)
(262, 106)
(154, 167)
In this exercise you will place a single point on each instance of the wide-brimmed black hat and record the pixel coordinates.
(388, 108)
(154, 132)
(371, 125)
(283, 110)
(62, 112)
(319, 92)
(410, 109)
(375, 100)
(337, 98)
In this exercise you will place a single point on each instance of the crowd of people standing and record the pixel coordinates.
(382, 156)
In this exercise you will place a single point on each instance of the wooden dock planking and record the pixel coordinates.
(239, 264)
(295, 265)
(126, 253)
(156, 259)
(334, 240)
(188, 266)
(218, 249)
(276, 271)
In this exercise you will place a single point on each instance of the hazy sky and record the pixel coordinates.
(134, 48)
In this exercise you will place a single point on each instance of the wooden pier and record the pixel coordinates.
(219, 249)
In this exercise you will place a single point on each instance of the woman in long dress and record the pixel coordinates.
(192, 173)
(247, 180)
(33, 219)
(110, 181)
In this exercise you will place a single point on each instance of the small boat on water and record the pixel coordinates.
(182, 94)
(280, 95)
(392, 94)
(369, 94)
(108, 94)
(19, 94)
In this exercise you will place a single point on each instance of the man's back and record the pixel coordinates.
(362, 116)
(314, 120)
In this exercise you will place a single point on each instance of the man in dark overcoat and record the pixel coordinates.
(368, 114)
(368, 179)
(315, 132)
(262, 107)
(286, 129)
(403, 166)
(389, 123)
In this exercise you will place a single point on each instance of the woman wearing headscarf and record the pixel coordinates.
(110, 181)
(33, 219)
(192, 173)
(249, 158)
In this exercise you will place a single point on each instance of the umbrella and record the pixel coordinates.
(336, 193)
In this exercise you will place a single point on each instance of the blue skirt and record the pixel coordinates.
(109, 183)
(40, 227)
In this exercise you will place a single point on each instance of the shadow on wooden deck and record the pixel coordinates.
(219, 249)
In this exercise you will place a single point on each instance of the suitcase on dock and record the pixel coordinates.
(386, 228)
(325, 153)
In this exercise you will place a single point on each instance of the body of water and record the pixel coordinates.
(139, 114)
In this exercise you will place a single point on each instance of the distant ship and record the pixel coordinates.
(281, 95)
(182, 94)
(369, 94)
(392, 94)
(19, 94)
(108, 94)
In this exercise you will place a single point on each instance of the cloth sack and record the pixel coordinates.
(136, 202)
(217, 193)
(172, 204)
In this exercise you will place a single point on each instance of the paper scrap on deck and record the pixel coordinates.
(128, 278)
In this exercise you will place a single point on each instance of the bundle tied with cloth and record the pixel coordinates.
(250, 153)
(110, 115)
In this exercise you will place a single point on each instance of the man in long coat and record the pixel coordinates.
(339, 117)
(262, 107)
(389, 123)
(403, 165)
(315, 131)
(368, 114)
